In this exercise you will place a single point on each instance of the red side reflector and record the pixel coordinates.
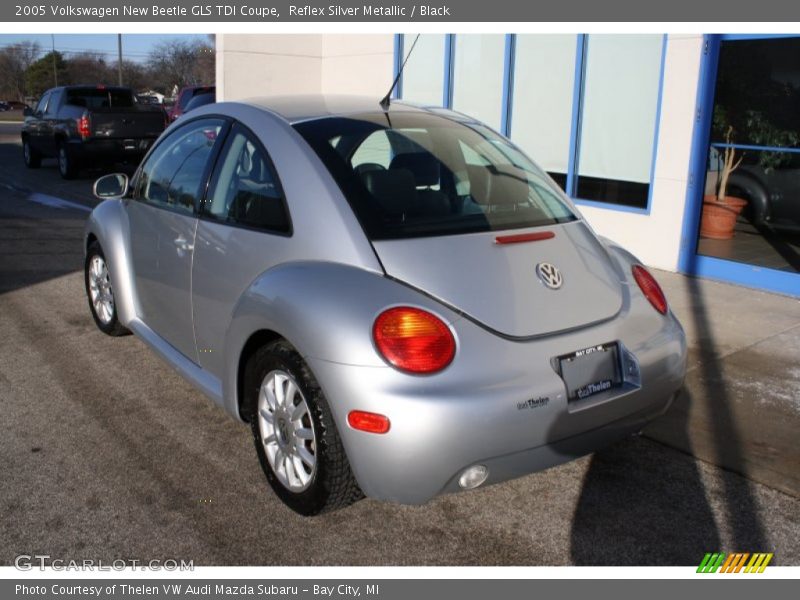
(650, 288)
(367, 421)
(524, 237)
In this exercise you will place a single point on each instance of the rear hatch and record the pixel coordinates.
(498, 285)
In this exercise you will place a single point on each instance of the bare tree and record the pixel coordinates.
(180, 63)
(134, 75)
(89, 68)
(14, 62)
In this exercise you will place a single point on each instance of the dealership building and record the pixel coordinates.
(634, 128)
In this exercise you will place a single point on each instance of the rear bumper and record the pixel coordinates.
(477, 410)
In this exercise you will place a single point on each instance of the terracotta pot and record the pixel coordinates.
(719, 218)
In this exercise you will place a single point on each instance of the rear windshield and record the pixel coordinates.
(417, 174)
(100, 98)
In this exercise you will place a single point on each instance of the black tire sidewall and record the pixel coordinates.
(71, 169)
(281, 356)
(31, 157)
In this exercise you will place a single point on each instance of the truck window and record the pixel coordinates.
(94, 98)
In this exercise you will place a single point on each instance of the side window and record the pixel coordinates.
(246, 190)
(173, 174)
(40, 108)
(52, 104)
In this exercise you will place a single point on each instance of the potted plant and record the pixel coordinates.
(720, 210)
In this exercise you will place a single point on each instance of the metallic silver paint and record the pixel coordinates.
(321, 289)
(497, 284)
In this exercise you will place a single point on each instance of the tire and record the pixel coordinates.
(327, 485)
(97, 282)
(33, 160)
(67, 163)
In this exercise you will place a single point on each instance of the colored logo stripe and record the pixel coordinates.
(735, 562)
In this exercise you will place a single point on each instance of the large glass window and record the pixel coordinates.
(541, 120)
(754, 216)
(172, 175)
(618, 118)
(478, 77)
(584, 106)
(423, 77)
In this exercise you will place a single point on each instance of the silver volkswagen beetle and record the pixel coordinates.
(396, 299)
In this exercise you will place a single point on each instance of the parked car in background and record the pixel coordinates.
(15, 105)
(4, 107)
(200, 100)
(398, 301)
(86, 126)
(185, 96)
(148, 100)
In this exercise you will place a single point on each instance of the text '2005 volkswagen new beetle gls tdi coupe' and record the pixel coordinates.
(396, 299)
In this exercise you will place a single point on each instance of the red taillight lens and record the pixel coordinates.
(367, 421)
(84, 126)
(650, 288)
(414, 340)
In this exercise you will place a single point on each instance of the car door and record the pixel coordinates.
(163, 222)
(35, 123)
(48, 123)
(244, 229)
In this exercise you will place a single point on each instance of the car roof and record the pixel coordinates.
(298, 108)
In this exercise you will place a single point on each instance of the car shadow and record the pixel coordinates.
(645, 503)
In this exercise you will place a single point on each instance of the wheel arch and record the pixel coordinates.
(258, 339)
(108, 226)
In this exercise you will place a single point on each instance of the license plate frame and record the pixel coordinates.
(591, 371)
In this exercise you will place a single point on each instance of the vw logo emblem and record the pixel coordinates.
(549, 275)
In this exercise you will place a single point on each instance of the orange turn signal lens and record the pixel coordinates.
(367, 421)
(414, 340)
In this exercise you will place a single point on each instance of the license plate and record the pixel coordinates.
(590, 371)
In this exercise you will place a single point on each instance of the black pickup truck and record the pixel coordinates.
(89, 125)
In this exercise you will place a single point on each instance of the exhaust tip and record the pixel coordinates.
(473, 477)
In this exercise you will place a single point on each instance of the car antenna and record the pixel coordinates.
(387, 98)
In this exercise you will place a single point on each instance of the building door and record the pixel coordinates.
(748, 141)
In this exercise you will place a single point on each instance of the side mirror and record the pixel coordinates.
(111, 187)
(27, 111)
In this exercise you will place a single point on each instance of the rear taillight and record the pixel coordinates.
(650, 288)
(84, 126)
(414, 340)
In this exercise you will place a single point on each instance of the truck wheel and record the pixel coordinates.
(33, 160)
(67, 164)
(100, 294)
(296, 439)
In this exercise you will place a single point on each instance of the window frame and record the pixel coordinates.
(204, 180)
(202, 211)
(577, 103)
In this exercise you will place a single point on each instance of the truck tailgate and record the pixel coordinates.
(124, 123)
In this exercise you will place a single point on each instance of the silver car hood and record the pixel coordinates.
(497, 284)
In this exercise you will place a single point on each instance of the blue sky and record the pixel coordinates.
(135, 46)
